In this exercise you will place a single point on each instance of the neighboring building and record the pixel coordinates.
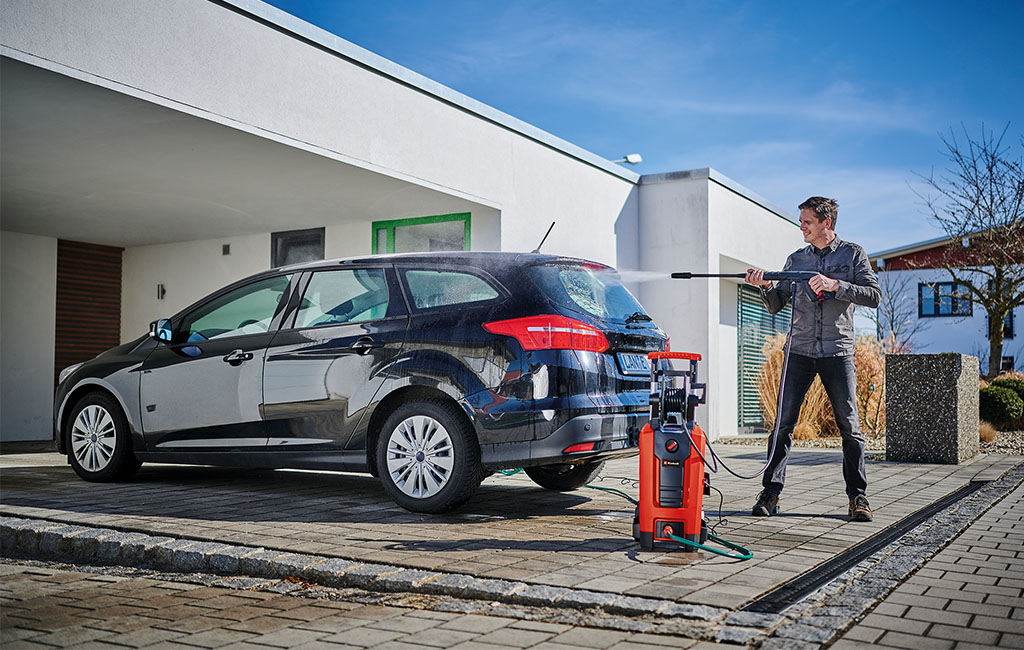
(947, 320)
(153, 152)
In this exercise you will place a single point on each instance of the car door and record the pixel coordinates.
(325, 366)
(203, 391)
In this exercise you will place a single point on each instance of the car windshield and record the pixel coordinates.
(593, 289)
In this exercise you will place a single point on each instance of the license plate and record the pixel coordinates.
(634, 364)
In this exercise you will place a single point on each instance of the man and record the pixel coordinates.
(822, 345)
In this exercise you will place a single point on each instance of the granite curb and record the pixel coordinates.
(49, 540)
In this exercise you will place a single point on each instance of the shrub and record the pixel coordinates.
(816, 418)
(1000, 405)
(987, 432)
(1014, 384)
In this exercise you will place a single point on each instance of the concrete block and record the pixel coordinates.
(295, 565)
(451, 584)
(753, 619)
(260, 562)
(541, 595)
(405, 580)
(110, 549)
(737, 635)
(195, 557)
(227, 560)
(582, 599)
(493, 589)
(87, 544)
(633, 606)
(53, 542)
(27, 535)
(931, 408)
(330, 572)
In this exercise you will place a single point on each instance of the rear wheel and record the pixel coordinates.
(99, 443)
(428, 457)
(562, 477)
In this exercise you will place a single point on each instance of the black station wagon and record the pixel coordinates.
(429, 371)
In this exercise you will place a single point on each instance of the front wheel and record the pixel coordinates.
(428, 457)
(564, 478)
(99, 443)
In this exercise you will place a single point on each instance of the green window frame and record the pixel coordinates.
(385, 230)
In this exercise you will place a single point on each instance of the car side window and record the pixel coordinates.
(440, 288)
(347, 296)
(247, 310)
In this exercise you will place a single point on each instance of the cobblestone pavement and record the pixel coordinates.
(511, 530)
(45, 607)
(971, 594)
(516, 536)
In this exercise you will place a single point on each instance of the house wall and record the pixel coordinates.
(701, 221)
(961, 334)
(28, 301)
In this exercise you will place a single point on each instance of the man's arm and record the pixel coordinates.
(864, 289)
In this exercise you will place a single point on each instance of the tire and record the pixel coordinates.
(428, 457)
(564, 478)
(99, 443)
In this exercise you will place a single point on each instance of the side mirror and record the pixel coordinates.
(161, 330)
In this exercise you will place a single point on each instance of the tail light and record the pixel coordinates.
(551, 333)
(583, 446)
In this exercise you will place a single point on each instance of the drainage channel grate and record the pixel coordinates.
(782, 597)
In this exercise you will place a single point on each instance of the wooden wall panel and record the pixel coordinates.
(88, 301)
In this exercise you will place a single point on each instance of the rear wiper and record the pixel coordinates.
(637, 316)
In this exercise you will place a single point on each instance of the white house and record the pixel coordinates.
(930, 302)
(153, 152)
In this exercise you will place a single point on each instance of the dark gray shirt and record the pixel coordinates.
(825, 328)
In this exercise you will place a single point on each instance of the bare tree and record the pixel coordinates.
(895, 319)
(979, 202)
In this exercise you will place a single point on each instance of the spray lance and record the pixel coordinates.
(775, 276)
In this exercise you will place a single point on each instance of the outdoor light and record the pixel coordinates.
(632, 159)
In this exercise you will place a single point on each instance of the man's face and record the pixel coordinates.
(813, 229)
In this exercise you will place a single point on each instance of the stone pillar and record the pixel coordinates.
(931, 408)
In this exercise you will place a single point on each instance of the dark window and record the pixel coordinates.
(343, 297)
(248, 310)
(294, 246)
(1007, 325)
(943, 299)
(438, 288)
(1006, 364)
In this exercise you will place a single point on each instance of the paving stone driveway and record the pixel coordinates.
(511, 529)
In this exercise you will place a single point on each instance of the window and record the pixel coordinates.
(294, 246)
(1006, 364)
(596, 291)
(247, 310)
(351, 296)
(943, 299)
(439, 288)
(448, 232)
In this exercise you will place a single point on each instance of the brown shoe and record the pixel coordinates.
(767, 504)
(859, 508)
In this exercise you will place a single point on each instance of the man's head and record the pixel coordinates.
(817, 217)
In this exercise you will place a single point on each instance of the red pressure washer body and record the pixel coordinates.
(672, 477)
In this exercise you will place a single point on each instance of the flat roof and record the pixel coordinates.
(288, 24)
(714, 176)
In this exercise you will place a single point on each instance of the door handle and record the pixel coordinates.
(364, 345)
(236, 357)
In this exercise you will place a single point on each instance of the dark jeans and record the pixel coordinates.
(840, 382)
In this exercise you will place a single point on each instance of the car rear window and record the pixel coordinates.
(594, 290)
(439, 288)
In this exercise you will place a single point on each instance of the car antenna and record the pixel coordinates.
(537, 250)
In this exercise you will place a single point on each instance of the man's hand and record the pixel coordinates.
(756, 278)
(821, 283)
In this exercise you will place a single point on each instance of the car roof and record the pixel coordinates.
(483, 259)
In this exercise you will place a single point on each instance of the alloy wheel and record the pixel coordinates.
(93, 438)
(420, 456)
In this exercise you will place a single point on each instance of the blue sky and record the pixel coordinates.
(791, 99)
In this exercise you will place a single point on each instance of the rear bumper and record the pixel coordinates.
(614, 435)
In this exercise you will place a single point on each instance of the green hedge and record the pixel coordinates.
(1000, 405)
(1016, 385)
